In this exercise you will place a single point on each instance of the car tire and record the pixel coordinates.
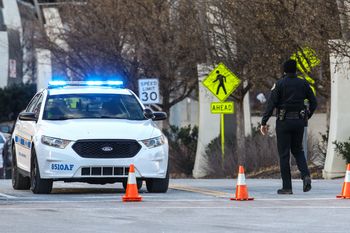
(19, 182)
(138, 181)
(158, 185)
(38, 185)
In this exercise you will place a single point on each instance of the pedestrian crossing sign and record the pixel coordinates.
(221, 82)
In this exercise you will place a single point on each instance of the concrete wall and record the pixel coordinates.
(185, 113)
(209, 124)
(44, 68)
(340, 115)
(317, 124)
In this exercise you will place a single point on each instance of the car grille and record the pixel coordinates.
(105, 171)
(107, 149)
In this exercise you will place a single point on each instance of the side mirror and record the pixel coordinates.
(27, 116)
(159, 116)
(5, 129)
(148, 113)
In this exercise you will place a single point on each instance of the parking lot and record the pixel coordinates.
(189, 206)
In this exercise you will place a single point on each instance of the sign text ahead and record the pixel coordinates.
(222, 108)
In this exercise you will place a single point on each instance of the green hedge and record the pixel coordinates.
(13, 100)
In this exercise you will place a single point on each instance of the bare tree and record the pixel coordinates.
(133, 39)
(254, 37)
(166, 36)
(96, 41)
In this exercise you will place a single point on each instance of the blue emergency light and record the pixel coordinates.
(111, 83)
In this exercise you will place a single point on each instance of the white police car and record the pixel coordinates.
(88, 132)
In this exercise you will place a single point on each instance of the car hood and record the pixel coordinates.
(99, 129)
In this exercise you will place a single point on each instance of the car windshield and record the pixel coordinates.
(1, 139)
(80, 106)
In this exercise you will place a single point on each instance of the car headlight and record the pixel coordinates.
(55, 142)
(154, 142)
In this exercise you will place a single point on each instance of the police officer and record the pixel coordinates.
(288, 95)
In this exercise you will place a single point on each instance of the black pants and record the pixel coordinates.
(290, 139)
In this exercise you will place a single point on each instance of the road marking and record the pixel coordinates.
(7, 196)
(296, 199)
(174, 207)
(200, 190)
(227, 195)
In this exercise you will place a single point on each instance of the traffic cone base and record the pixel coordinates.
(237, 199)
(126, 199)
(345, 194)
(342, 197)
(132, 192)
(241, 188)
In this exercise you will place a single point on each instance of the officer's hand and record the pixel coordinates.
(264, 129)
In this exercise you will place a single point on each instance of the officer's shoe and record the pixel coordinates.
(284, 191)
(306, 183)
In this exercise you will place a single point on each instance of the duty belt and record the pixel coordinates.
(292, 115)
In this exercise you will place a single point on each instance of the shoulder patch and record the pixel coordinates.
(273, 87)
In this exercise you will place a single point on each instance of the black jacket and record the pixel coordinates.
(289, 93)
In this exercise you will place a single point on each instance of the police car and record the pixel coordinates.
(88, 132)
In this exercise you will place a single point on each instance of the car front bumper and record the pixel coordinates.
(55, 163)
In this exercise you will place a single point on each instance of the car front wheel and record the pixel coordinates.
(158, 185)
(38, 185)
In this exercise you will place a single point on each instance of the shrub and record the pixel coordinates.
(261, 157)
(13, 99)
(182, 149)
(343, 148)
(261, 152)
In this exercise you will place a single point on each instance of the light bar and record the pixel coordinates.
(53, 84)
(57, 83)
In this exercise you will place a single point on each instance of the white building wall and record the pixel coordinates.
(11, 15)
(12, 20)
(4, 58)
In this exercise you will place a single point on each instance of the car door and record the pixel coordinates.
(24, 134)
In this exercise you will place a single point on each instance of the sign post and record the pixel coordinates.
(222, 83)
(149, 91)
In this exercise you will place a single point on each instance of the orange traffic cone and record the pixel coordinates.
(241, 188)
(346, 186)
(132, 193)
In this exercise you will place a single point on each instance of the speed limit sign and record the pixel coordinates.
(149, 91)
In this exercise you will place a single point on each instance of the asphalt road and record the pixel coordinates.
(189, 206)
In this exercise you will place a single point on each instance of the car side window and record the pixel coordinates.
(36, 108)
(32, 103)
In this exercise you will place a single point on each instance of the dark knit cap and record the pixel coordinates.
(290, 66)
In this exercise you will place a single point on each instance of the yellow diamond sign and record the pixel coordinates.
(221, 82)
